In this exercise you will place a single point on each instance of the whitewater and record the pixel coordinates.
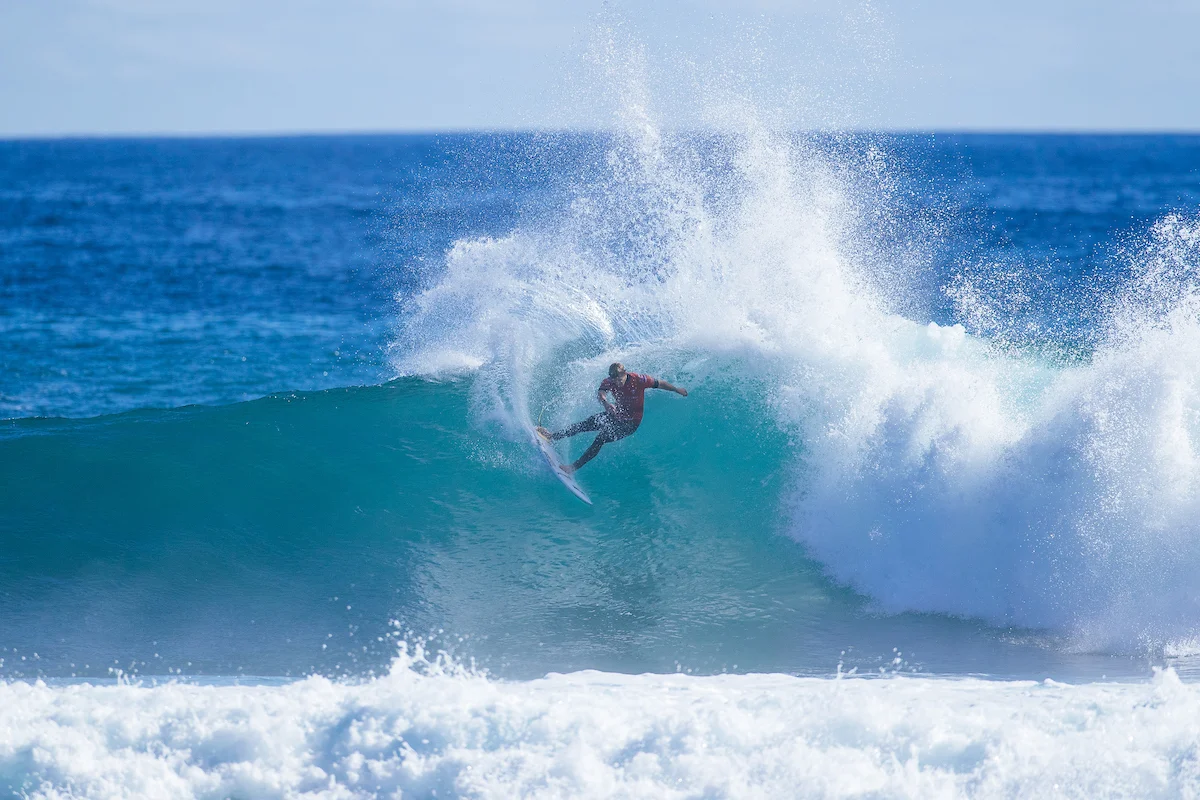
(432, 730)
(913, 533)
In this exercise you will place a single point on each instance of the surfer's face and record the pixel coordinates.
(620, 377)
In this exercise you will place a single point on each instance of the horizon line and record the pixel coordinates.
(300, 133)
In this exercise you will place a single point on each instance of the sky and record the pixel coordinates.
(97, 67)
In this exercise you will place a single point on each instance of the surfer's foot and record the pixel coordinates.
(567, 469)
(545, 433)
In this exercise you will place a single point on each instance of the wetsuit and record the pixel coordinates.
(628, 402)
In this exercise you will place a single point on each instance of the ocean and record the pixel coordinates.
(926, 524)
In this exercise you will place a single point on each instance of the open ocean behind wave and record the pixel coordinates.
(265, 450)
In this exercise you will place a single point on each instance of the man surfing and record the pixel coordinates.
(620, 417)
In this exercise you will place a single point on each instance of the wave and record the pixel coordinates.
(429, 728)
(284, 535)
(920, 468)
(929, 469)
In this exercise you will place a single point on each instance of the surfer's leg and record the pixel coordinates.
(592, 423)
(609, 432)
(591, 452)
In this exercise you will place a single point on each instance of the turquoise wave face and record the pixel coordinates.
(305, 532)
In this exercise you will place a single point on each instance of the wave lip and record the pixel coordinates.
(975, 483)
(433, 729)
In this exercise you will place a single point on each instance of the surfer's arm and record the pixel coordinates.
(604, 401)
(668, 387)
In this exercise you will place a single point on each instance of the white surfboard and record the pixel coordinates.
(557, 467)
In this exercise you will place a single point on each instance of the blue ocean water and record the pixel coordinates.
(266, 406)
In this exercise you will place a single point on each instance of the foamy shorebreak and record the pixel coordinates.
(423, 731)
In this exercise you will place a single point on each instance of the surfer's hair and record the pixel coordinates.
(615, 369)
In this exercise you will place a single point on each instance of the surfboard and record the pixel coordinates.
(557, 467)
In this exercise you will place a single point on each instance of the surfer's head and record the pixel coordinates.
(616, 371)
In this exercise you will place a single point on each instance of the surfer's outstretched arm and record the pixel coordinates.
(661, 384)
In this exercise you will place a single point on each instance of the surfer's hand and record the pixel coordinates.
(681, 390)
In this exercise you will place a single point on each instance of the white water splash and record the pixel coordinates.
(934, 472)
(435, 730)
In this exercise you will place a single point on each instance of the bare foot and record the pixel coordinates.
(545, 434)
(567, 469)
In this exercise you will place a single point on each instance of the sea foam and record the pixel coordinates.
(434, 730)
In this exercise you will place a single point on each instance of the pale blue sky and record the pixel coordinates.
(223, 66)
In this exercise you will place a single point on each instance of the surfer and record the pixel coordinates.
(620, 417)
